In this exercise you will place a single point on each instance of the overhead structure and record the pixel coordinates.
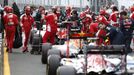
(95, 5)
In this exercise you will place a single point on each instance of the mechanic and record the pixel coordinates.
(126, 27)
(114, 17)
(75, 19)
(102, 18)
(132, 13)
(38, 17)
(51, 27)
(26, 22)
(101, 33)
(86, 20)
(10, 23)
(68, 10)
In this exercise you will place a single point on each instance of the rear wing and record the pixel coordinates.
(109, 49)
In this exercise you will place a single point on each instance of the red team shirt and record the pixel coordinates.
(10, 20)
(27, 22)
(51, 22)
(113, 19)
(132, 16)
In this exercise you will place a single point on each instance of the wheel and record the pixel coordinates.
(31, 35)
(66, 70)
(36, 44)
(54, 51)
(45, 48)
(53, 64)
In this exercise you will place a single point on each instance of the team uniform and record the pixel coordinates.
(27, 21)
(10, 23)
(51, 28)
(114, 19)
(93, 28)
(86, 21)
(102, 24)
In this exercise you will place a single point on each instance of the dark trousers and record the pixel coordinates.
(38, 25)
(127, 41)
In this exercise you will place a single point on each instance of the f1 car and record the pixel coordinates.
(66, 59)
(96, 60)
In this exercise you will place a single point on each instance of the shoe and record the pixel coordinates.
(7, 50)
(10, 51)
(25, 49)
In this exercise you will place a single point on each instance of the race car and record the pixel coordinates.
(67, 60)
(95, 61)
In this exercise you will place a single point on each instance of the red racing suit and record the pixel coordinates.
(93, 28)
(10, 22)
(51, 28)
(27, 22)
(86, 20)
(101, 34)
(102, 19)
(132, 15)
(114, 19)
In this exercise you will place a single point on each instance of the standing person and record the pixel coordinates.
(38, 17)
(1, 20)
(132, 13)
(51, 27)
(114, 17)
(16, 10)
(76, 23)
(127, 29)
(26, 22)
(68, 10)
(10, 22)
(43, 13)
(102, 18)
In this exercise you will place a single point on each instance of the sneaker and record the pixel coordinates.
(7, 50)
(10, 51)
(25, 49)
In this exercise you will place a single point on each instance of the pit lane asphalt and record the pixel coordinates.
(25, 64)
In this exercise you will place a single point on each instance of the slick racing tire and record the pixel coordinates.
(31, 36)
(54, 51)
(53, 64)
(36, 44)
(45, 48)
(66, 70)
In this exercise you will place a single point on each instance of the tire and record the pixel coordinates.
(53, 64)
(31, 36)
(66, 70)
(53, 51)
(36, 44)
(45, 48)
